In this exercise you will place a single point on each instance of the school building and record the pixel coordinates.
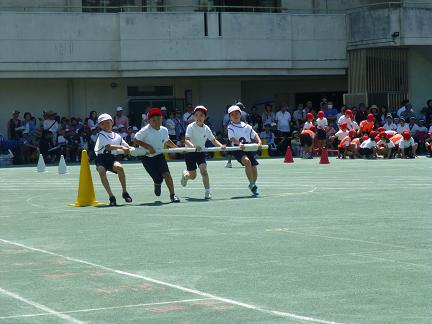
(74, 56)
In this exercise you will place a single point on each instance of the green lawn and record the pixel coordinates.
(349, 242)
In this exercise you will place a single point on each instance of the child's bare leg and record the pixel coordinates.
(121, 175)
(104, 180)
(248, 168)
(204, 175)
(169, 182)
(190, 175)
(254, 173)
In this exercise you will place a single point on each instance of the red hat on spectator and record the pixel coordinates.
(406, 135)
(309, 116)
(352, 133)
(321, 114)
(381, 129)
(312, 128)
(154, 112)
(370, 117)
(348, 112)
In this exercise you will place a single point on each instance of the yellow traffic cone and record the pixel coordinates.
(265, 152)
(86, 194)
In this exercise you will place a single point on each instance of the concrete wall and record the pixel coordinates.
(169, 44)
(419, 75)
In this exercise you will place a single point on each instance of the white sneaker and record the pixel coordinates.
(208, 195)
(184, 180)
(228, 165)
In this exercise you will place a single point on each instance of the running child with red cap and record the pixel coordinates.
(107, 141)
(153, 137)
(407, 145)
(307, 137)
(197, 134)
(322, 125)
(240, 133)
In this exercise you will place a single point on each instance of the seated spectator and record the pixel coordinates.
(428, 144)
(407, 146)
(255, 120)
(268, 117)
(62, 143)
(91, 121)
(402, 126)
(296, 144)
(50, 123)
(15, 126)
(299, 117)
(368, 148)
(389, 124)
(268, 135)
(30, 146)
(73, 142)
(29, 124)
(47, 147)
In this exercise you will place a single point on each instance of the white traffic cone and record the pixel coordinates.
(62, 168)
(41, 164)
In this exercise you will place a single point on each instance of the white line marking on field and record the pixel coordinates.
(109, 308)
(392, 260)
(174, 286)
(286, 230)
(4, 216)
(41, 307)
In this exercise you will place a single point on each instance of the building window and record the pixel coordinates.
(242, 5)
(113, 6)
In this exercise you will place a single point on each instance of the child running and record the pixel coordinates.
(197, 134)
(153, 137)
(240, 133)
(105, 161)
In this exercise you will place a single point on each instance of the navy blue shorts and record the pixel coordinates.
(193, 160)
(305, 140)
(251, 155)
(106, 160)
(155, 167)
(321, 134)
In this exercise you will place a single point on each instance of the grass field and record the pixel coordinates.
(349, 242)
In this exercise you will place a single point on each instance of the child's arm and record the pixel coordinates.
(126, 148)
(171, 144)
(188, 142)
(218, 144)
(148, 147)
(258, 140)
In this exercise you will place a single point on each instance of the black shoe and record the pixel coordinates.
(113, 201)
(157, 189)
(174, 198)
(127, 197)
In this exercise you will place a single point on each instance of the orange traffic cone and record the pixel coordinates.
(86, 194)
(324, 156)
(288, 156)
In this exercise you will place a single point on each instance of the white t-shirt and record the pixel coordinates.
(50, 125)
(307, 125)
(391, 126)
(153, 137)
(283, 119)
(340, 134)
(415, 128)
(345, 120)
(188, 118)
(405, 144)
(61, 140)
(369, 143)
(199, 135)
(322, 123)
(388, 144)
(354, 125)
(242, 132)
(400, 128)
(170, 125)
(107, 138)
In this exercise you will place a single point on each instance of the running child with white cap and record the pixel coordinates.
(107, 141)
(240, 133)
(197, 134)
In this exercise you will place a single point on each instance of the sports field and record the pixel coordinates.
(349, 242)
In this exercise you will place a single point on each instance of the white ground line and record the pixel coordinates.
(108, 308)
(174, 286)
(41, 307)
(286, 230)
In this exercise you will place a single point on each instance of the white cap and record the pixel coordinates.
(164, 108)
(103, 117)
(120, 126)
(233, 108)
(119, 108)
(135, 128)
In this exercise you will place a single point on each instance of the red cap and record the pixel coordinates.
(348, 112)
(406, 134)
(389, 135)
(381, 129)
(377, 139)
(200, 108)
(373, 134)
(382, 134)
(352, 133)
(312, 128)
(154, 112)
(343, 126)
(370, 117)
(364, 138)
(309, 116)
(320, 114)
